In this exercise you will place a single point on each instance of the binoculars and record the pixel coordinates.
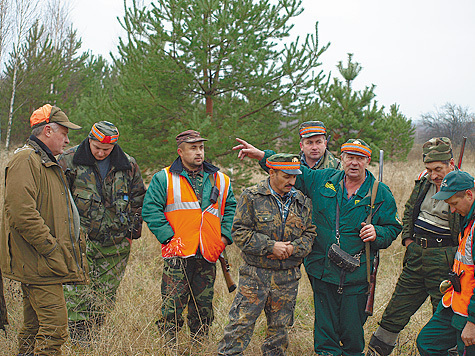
(452, 281)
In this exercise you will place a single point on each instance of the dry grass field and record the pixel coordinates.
(130, 327)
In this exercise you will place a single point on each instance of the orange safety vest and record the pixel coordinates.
(463, 262)
(192, 226)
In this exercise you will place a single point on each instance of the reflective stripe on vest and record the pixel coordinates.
(192, 226)
(463, 261)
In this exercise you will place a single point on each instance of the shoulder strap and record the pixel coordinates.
(374, 191)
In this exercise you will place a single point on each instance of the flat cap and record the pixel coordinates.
(285, 162)
(356, 147)
(312, 128)
(189, 136)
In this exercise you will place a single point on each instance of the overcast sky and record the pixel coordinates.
(419, 53)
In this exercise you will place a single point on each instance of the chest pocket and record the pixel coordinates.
(264, 222)
(84, 200)
(121, 197)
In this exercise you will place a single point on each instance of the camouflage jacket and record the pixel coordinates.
(328, 161)
(258, 225)
(413, 208)
(110, 209)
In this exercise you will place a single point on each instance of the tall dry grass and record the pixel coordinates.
(130, 327)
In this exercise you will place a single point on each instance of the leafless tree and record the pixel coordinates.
(450, 120)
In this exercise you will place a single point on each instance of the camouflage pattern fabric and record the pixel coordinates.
(328, 161)
(106, 268)
(187, 282)
(275, 292)
(3, 306)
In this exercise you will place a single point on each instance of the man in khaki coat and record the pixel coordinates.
(40, 244)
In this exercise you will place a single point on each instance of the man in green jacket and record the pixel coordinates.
(189, 207)
(340, 298)
(108, 190)
(273, 228)
(40, 242)
(313, 146)
(430, 232)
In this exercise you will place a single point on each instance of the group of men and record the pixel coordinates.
(70, 218)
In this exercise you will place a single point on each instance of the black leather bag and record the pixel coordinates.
(343, 259)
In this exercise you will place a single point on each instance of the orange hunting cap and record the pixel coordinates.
(47, 114)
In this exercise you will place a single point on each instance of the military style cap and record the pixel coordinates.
(437, 149)
(455, 181)
(312, 128)
(285, 162)
(189, 136)
(356, 147)
(104, 132)
(47, 114)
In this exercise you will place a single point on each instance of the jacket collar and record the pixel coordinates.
(83, 157)
(43, 150)
(177, 167)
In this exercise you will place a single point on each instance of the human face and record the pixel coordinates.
(438, 170)
(56, 140)
(313, 147)
(281, 182)
(192, 154)
(461, 205)
(99, 150)
(354, 165)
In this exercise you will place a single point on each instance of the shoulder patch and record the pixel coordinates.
(25, 147)
(422, 174)
(330, 186)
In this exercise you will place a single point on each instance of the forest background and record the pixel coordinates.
(225, 68)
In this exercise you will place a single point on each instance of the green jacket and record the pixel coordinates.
(110, 209)
(323, 188)
(328, 161)
(258, 225)
(156, 199)
(413, 208)
(38, 242)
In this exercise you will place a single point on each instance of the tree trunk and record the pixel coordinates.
(10, 114)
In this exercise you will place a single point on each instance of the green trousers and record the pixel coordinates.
(423, 270)
(261, 289)
(439, 335)
(106, 268)
(45, 320)
(339, 318)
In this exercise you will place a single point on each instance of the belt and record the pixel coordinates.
(432, 242)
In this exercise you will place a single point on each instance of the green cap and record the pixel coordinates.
(437, 149)
(285, 162)
(312, 128)
(455, 181)
(356, 147)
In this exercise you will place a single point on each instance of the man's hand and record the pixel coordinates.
(248, 150)
(367, 232)
(225, 240)
(468, 334)
(281, 250)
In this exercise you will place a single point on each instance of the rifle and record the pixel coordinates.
(223, 258)
(462, 149)
(372, 279)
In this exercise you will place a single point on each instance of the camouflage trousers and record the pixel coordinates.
(275, 292)
(424, 269)
(106, 268)
(187, 282)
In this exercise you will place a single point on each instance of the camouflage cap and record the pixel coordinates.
(285, 162)
(356, 147)
(104, 132)
(47, 114)
(189, 136)
(312, 128)
(455, 181)
(437, 149)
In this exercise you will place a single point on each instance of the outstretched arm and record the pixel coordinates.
(248, 150)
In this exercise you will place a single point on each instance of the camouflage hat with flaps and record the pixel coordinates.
(437, 149)
(285, 162)
(104, 132)
(455, 181)
(312, 128)
(356, 147)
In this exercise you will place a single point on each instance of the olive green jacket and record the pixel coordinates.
(258, 225)
(324, 189)
(413, 208)
(38, 244)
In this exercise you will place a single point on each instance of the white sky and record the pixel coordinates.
(419, 53)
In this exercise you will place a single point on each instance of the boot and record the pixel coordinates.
(378, 348)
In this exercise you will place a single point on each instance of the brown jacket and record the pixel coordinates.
(37, 242)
